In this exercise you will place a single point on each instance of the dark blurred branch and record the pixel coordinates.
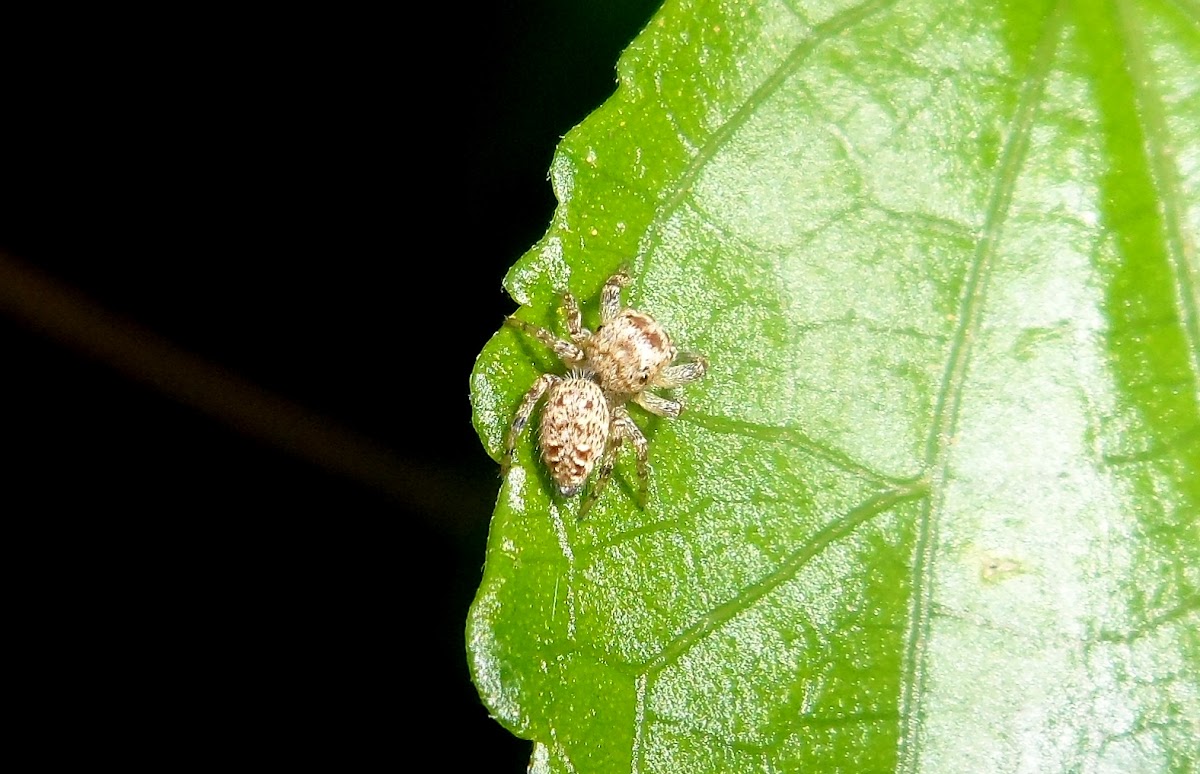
(70, 318)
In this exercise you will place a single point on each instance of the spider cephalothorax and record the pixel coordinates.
(585, 419)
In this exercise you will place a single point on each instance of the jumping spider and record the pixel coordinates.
(585, 419)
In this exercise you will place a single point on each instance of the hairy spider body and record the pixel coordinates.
(574, 431)
(585, 419)
(629, 349)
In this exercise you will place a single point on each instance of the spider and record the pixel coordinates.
(585, 419)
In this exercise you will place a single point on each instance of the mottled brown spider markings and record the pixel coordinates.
(585, 419)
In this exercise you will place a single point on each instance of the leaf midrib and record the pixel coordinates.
(938, 444)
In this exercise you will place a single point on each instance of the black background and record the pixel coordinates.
(322, 208)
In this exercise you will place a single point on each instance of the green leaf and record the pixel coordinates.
(936, 506)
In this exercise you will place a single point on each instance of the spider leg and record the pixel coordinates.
(568, 352)
(570, 311)
(693, 367)
(610, 297)
(657, 404)
(628, 428)
(621, 427)
(544, 382)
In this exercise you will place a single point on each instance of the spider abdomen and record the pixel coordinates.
(574, 431)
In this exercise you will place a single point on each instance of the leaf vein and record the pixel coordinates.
(821, 33)
(938, 444)
(835, 530)
(1164, 177)
(1189, 8)
(794, 438)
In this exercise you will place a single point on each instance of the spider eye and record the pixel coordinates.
(645, 378)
